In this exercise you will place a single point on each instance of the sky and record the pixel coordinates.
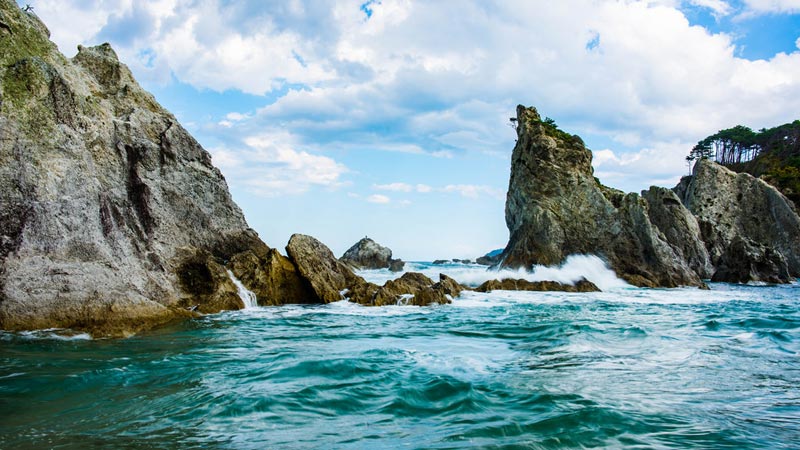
(389, 119)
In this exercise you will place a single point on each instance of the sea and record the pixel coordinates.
(623, 368)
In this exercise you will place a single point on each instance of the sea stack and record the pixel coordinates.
(555, 208)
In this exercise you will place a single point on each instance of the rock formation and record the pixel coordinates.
(490, 258)
(113, 217)
(679, 228)
(368, 254)
(751, 231)
(332, 280)
(555, 207)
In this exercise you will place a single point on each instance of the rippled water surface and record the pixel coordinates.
(631, 368)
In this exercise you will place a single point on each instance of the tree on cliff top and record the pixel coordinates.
(770, 153)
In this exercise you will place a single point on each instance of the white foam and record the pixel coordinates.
(571, 271)
(248, 297)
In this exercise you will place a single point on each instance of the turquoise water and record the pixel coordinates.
(637, 368)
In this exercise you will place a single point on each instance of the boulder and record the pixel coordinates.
(328, 277)
(491, 258)
(272, 277)
(413, 289)
(367, 254)
(206, 285)
(750, 229)
(510, 284)
(556, 208)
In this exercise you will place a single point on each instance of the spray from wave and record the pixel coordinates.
(571, 271)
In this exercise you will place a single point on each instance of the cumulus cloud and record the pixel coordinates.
(270, 165)
(413, 77)
(475, 191)
(378, 198)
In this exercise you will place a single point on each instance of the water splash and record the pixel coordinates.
(571, 271)
(248, 297)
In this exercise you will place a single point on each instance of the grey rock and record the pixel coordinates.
(679, 228)
(511, 284)
(367, 254)
(751, 231)
(555, 208)
(105, 196)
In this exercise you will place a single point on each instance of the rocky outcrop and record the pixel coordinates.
(555, 208)
(368, 254)
(751, 231)
(272, 277)
(491, 258)
(510, 284)
(327, 276)
(331, 280)
(679, 228)
(113, 218)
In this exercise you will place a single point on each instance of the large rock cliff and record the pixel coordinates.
(555, 207)
(113, 217)
(751, 231)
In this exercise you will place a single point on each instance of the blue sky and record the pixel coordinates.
(389, 118)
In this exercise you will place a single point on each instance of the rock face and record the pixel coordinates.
(332, 280)
(679, 228)
(368, 254)
(555, 207)
(490, 258)
(272, 277)
(108, 204)
(751, 231)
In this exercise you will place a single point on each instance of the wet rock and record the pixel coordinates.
(555, 208)
(412, 289)
(327, 276)
(367, 254)
(272, 277)
(745, 261)
(510, 284)
(396, 265)
(205, 283)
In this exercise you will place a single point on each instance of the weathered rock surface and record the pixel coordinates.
(491, 258)
(510, 284)
(108, 204)
(272, 277)
(679, 228)
(751, 231)
(368, 254)
(555, 208)
(327, 276)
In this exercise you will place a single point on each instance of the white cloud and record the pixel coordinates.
(396, 187)
(474, 191)
(423, 188)
(720, 7)
(378, 198)
(773, 6)
(416, 78)
(270, 165)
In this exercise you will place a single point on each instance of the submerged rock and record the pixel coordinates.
(751, 230)
(510, 284)
(555, 208)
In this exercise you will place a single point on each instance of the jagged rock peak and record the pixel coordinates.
(555, 208)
